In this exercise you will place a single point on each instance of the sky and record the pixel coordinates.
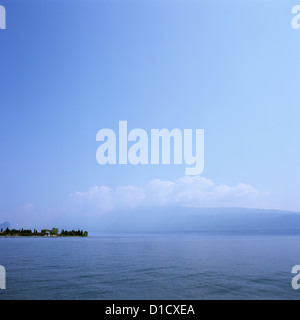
(70, 68)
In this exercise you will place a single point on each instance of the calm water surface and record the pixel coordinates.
(176, 266)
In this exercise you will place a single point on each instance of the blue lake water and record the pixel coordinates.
(157, 266)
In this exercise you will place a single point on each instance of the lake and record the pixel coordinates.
(153, 266)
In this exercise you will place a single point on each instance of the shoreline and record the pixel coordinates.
(18, 236)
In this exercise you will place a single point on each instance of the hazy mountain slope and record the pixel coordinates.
(5, 225)
(195, 219)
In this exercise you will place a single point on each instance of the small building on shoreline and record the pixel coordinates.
(45, 232)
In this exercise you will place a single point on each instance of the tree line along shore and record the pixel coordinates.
(54, 232)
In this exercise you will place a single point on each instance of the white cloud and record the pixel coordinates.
(187, 191)
(28, 206)
(239, 191)
(97, 198)
(128, 196)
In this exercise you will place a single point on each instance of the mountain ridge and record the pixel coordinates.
(5, 225)
(186, 219)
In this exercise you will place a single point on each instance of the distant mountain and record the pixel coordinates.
(5, 225)
(179, 219)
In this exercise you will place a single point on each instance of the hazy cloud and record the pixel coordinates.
(28, 207)
(187, 191)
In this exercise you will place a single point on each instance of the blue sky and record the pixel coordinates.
(71, 68)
